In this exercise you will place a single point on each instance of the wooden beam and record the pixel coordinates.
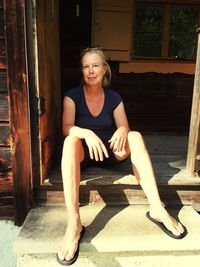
(19, 106)
(194, 142)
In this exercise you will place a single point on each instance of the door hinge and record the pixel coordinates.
(41, 105)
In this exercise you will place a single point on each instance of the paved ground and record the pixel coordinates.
(8, 233)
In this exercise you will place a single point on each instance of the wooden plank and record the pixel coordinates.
(194, 139)
(31, 44)
(159, 67)
(18, 93)
(3, 82)
(5, 135)
(3, 63)
(171, 1)
(5, 159)
(113, 5)
(6, 211)
(2, 32)
(4, 110)
(6, 182)
(156, 108)
(2, 53)
(122, 194)
(2, 47)
(6, 198)
(6, 205)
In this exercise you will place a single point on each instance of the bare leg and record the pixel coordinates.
(144, 173)
(72, 155)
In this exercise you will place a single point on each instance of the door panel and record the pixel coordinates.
(48, 41)
(112, 28)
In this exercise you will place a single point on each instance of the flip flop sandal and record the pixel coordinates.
(70, 262)
(163, 227)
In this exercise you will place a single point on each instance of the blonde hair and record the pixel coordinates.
(99, 52)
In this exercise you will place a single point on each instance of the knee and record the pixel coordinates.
(135, 135)
(71, 143)
(135, 138)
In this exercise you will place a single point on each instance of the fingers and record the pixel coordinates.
(98, 152)
(91, 152)
(112, 142)
(104, 150)
(117, 144)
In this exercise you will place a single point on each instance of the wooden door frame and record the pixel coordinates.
(193, 157)
(19, 107)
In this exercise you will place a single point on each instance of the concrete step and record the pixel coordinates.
(115, 236)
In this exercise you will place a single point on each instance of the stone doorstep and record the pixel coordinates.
(112, 260)
(115, 229)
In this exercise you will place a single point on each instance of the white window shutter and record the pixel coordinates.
(112, 28)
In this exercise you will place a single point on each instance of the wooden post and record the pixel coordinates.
(193, 156)
(19, 107)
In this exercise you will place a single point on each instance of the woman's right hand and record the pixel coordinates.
(97, 149)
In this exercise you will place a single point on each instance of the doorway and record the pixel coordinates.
(63, 29)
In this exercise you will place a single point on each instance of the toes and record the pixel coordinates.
(69, 257)
(70, 254)
(66, 252)
(176, 232)
(180, 228)
(61, 255)
(176, 227)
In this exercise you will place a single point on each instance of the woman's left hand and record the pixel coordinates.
(119, 139)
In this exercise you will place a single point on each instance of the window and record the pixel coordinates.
(165, 31)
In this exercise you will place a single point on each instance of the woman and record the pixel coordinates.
(97, 133)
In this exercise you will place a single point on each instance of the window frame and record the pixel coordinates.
(166, 29)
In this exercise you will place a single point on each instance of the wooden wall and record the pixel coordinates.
(6, 177)
(156, 102)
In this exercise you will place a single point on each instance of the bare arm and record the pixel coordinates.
(68, 120)
(119, 138)
(120, 117)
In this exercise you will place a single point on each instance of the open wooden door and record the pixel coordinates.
(49, 84)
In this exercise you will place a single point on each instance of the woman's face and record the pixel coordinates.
(93, 69)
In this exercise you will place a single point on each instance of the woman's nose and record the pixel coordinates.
(91, 70)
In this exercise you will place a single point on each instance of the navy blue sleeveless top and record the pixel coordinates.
(103, 124)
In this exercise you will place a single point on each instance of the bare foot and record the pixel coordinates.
(170, 223)
(69, 243)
